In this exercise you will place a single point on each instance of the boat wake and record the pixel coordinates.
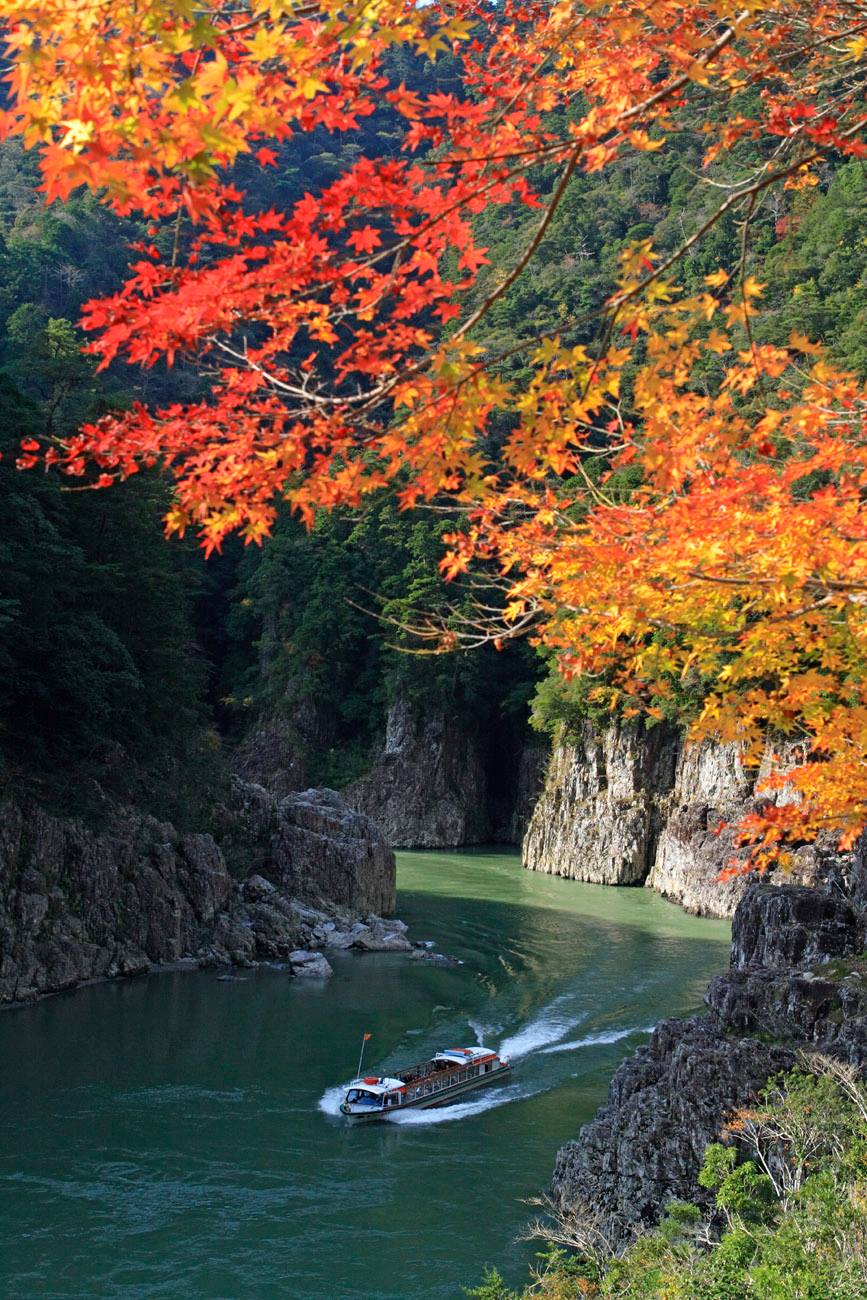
(542, 1035)
(548, 1026)
(466, 1109)
(329, 1102)
(482, 1031)
(594, 1040)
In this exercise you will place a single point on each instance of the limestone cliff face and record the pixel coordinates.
(529, 783)
(427, 786)
(625, 806)
(603, 805)
(78, 904)
(711, 787)
(713, 790)
(273, 754)
(798, 979)
(312, 844)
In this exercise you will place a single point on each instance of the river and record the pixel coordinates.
(177, 1137)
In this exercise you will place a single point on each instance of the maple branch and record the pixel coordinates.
(529, 251)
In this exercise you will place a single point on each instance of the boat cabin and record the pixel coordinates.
(375, 1093)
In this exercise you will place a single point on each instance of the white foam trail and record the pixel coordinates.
(593, 1040)
(483, 1031)
(329, 1102)
(463, 1109)
(547, 1027)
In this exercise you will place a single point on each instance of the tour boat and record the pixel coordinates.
(445, 1076)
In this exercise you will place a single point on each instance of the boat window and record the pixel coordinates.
(358, 1097)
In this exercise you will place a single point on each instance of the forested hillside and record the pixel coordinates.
(132, 664)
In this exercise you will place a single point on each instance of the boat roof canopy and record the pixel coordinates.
(376, 1085)
(464, 1055)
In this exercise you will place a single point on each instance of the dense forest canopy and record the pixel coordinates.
(584, 277)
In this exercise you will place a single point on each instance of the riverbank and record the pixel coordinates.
(272, 880)
(796, 982)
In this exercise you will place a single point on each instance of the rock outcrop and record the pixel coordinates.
(273, 754)
(79, 904)
(312, 844)
(426, 788)
(626, 806)
(603, 805)
(645, 1146)
(798, 979)
(529, 784)
(711, 789)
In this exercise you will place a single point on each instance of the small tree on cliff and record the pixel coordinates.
(343, 358)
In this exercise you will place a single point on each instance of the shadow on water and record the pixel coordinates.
(175, 1136)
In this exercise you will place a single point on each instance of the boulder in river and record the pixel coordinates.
(309, 964)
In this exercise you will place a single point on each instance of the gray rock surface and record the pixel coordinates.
(79, 904)
(272, 754)
(645, 1146)
(310, 965)
(711, 790)
(603, 805)
(625, 806)
(798, 979)
(530, 782)
(426, 787)
(779, 928)
(321, 849)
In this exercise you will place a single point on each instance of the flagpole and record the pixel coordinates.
(364, 1038)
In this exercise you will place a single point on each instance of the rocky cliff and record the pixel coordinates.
(78, 904)
(624, 806)
(426, 787)
(798, 979)
(603, 805)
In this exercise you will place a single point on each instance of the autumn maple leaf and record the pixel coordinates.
(365, 240)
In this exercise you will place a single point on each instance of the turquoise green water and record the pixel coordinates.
(177, 1136)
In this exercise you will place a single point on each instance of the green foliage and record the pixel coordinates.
(99, 679)
(101, 682)
(742, 1190)
(492, 1288)
(316, 620)
(798, 1232)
